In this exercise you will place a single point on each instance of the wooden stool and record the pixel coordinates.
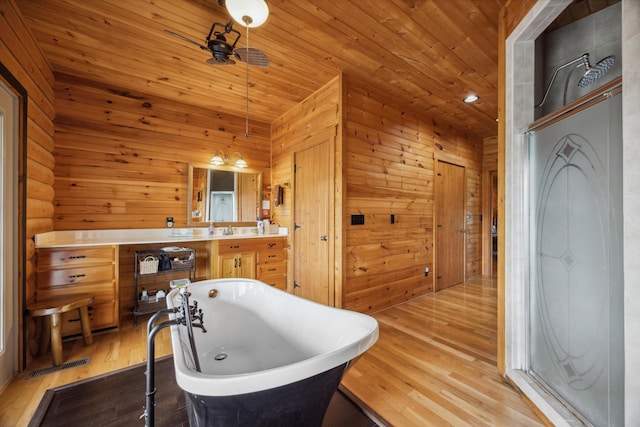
(54, 307)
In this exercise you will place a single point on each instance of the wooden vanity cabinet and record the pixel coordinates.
(272, 262)
(233, 258)
(81, 270)
(237, 265)
(262, 258)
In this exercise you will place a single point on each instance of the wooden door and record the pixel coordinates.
(450, 224)
(311, 223)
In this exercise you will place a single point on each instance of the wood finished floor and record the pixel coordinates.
(434, 364)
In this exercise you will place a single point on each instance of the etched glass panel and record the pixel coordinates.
(576, 333)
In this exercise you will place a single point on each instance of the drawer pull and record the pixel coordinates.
(73, 277)
(234, 246)
(271, 269)
(77, 256)
(272, 244)
(73, 320)
(272, 256)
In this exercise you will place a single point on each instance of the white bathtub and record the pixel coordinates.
(266, 338)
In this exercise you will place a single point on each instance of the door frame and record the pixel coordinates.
(488, 206)
(20, 219)
(443, 157)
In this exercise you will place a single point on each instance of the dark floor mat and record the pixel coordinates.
(118, 398)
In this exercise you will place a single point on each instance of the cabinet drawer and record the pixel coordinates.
(277, 281)
(269, 256)
(271, 268)
(63, 258)
(272, 244)
(236, 246)
(100, 316)
(102, 292)
(72, 276)
(250, 245)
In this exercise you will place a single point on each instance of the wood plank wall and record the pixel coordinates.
(20, 54)
(388, 168)
(121, 157)
(389, 165)
(320, 111)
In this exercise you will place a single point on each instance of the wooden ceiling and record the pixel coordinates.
(424, 54)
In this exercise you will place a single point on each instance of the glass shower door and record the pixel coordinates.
(576, 301)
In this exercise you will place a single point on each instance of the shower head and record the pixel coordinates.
(591, 74)
(594, 73)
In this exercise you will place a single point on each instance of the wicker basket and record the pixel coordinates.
(181, 264)
(149, 265)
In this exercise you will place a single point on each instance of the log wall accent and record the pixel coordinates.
(389, 166)
(321, 111)
(121, 157)
(21, 56)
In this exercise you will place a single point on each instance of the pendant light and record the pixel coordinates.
(250, 13)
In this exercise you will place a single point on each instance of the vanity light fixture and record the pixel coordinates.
(471, 98)
(219, 159)
(250, 13)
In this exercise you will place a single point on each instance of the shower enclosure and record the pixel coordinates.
(223, 206)
(575, 279)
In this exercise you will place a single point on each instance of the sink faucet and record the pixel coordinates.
(228, 231)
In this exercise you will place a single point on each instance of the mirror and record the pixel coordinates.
(223, 194)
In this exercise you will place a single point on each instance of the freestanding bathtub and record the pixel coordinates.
(268, 358)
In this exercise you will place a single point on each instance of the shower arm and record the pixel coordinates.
(583, 58)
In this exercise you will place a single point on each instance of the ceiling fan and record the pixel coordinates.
(221, 43)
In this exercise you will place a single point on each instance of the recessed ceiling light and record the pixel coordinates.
(471, 98)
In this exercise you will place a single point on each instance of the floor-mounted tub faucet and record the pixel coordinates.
(184, 315)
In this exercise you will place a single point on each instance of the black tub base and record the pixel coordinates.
(302, 403)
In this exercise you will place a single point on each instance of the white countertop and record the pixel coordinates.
(80, 238)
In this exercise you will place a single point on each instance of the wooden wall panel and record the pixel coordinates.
(21, 56)
(389, 167)
(289, 133)
(490, 154)
(121, 157)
